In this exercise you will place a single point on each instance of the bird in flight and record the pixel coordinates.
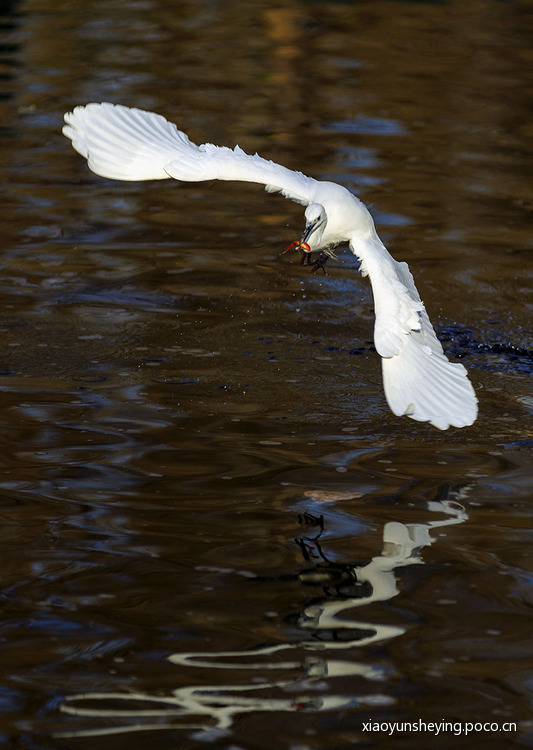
(123, 143)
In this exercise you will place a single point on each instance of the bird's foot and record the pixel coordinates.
(320, 263)
(306, 258)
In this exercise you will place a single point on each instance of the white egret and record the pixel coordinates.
(123, 143)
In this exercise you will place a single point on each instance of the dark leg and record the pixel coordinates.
(320, 262)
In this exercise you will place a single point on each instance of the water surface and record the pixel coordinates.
(213, 529)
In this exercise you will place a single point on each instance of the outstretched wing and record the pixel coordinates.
(124, 143)
(418, 379)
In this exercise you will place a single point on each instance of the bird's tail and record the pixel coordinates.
(124, 143)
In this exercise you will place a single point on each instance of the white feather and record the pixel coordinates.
(130, 144)
(425, 386)
(125, 144)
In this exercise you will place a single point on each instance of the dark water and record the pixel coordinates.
(214, 532)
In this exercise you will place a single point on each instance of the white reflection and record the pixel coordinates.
(401, 546)
(299, 669)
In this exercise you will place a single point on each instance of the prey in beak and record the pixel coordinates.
(305, 253)
(316, 221)
(303, 247)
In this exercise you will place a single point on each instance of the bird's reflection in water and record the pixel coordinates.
(346, 586)
(295, 676)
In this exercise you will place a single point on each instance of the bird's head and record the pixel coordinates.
(315, 224)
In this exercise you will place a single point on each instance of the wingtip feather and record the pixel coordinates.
(428, 387)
